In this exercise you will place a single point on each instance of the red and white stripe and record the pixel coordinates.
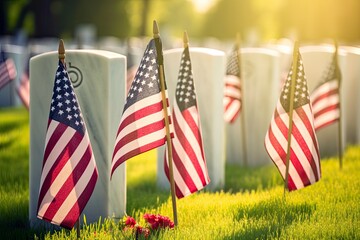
(7, 72)
(189, 164)
(23, 90)
(304, 164)
(232, 98)
(69, 175)
(142, 128)
(326, 104)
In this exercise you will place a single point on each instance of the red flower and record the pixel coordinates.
(158, 221)
(130, 222)
(142, 231)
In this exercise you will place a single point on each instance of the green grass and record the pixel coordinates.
(251, 206)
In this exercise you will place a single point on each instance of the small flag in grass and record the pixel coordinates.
(232, 91)
(190, 170)
(69, 171)
(304, 158)
(142, 125)
(7, 69)
(325, 98)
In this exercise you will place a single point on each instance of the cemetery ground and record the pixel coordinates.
(251, 206)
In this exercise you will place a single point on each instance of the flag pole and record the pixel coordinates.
(337, 74)
(160, 60)
(291, 108)
(243, 129)
(61, 53)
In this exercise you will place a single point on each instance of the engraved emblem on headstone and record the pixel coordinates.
(75, 75)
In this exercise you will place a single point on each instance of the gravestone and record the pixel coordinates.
(351, 100)
(98, 78)
(260, 68)
(208, 67)
(316, 60)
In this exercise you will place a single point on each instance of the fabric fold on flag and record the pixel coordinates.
(189, 163)
(69, 171)
(326, 97)
(304, 164)
(7, 70)
(232, 90)
(142, 125)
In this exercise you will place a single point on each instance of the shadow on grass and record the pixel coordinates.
(240, 179)
(14, 221)
(268, 219)
(145, 194)
(7, 140)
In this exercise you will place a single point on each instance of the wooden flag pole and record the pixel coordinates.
(337, 74)
(78, 228)
(160, 60)
(291, 108)
(186, 40)
(243, 129)
(61, 52)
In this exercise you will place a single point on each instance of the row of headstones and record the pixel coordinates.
(21, 54)
(99, 81)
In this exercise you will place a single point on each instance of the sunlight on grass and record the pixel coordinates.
(251, 206)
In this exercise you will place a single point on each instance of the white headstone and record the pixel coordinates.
(98, 78)
(208, 67)
(316, 59)
(350, 91)
(260, 70)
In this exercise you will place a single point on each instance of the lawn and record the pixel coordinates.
(251, 206)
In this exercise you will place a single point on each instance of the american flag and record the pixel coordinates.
(189, 164)
(304, 164)
(23, 89)
(325, 98)
(69, 171)
(232, 90)
(142, 125)
(7, 70)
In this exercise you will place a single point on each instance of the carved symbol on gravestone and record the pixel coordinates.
(75, 75)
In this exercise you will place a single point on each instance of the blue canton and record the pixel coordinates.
(146, 81)
(64, 106)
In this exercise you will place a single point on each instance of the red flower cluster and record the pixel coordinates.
(157, 221)
(130, 222)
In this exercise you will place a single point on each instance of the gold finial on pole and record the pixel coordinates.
(155, 29)
(61, 51)
(186, 40)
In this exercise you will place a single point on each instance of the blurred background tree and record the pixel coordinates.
(306, 20)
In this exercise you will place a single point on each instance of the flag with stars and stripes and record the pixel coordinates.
(304, 163)
(326, 97)
(189, 164)
(232, 90)
(69, 171)
(7, 69)
(142, 125)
